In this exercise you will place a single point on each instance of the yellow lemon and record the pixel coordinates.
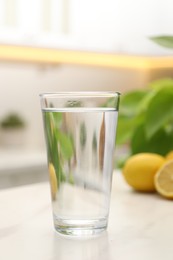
(139, 170)
(169, 156)
(164, 180)
(53, 181)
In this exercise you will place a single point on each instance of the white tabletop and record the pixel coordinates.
(140, 227)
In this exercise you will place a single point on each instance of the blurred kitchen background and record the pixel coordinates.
(68, 45)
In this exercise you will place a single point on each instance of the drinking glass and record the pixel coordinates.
(80, 130)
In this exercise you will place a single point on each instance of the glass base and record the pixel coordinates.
(80, 228)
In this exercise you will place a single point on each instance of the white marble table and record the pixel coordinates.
(140, 227)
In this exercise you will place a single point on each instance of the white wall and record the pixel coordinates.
(119, 26)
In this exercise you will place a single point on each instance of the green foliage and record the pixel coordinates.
(65, 144)
(165, 41)
(130, 102)
(146, 118)
(159, 111)
(12, 120)
(59, 144)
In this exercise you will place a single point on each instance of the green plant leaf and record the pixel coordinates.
(66, 145)
(126, 127)
(161, 84)
(52, 147)
(165, 41)
(57, 117)
(159, 111)
(155, 87)
(145, 101)
(12, 120)
(161, 142)
(131, 101)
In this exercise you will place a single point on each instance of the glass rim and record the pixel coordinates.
(80, 94)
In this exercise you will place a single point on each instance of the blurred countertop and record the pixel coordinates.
(140, 227)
